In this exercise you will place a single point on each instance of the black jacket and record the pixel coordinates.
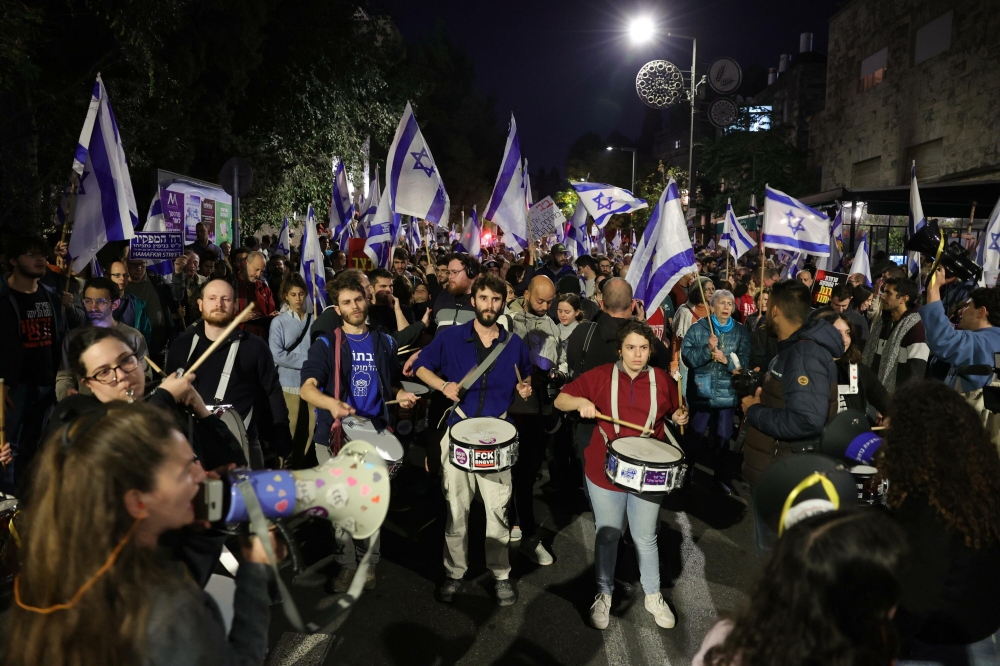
(763, 347)
(604, 346)
(10, 332)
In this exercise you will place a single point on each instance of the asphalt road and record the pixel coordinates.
(706, 567)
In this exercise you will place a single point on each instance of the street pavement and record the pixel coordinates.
(707, 566)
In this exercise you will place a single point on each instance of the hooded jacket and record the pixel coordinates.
(710, 384)
(799, 396)
(541, 334)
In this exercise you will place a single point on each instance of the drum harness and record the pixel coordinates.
(650, 420)
(227, 371)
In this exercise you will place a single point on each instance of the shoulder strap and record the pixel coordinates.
(302, 334)
(227, 370)
(194, 344)
(338, 337)
(486, 364)
(586, 343)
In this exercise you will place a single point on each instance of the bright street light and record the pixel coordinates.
(611, 148)
(641, 30)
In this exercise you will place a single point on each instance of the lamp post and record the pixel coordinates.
(631, 150)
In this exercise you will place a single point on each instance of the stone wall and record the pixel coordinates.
(954, 96)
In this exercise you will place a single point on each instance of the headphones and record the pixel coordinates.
(472, 266)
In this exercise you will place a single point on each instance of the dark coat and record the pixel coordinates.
(10, 332)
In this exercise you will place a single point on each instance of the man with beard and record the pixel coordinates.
(100, 300)
(454, 352)
(369, 379)
(386, 311)
(240, 373)
(557, 266)
(453, 306)
(33, 325)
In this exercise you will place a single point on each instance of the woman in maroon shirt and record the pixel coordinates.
(590, 394)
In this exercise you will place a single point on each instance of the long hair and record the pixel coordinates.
(75, 519)
(853, 353)
(936, 448)
(823, 598)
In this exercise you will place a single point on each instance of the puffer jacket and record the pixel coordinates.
(710, 384)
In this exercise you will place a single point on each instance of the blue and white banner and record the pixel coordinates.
(734, 236)
(577, 239)
(529, 198)
(917, 219)
(382, 232)
(415, 186)
(600, 244)
(861, 263)
(413, 237)
(832, 262)
(312, 268)
(664, 253)
(791, 263)
(616, 242)
(602, 201)
(341, 206)
(104, 206)
(753, 203)
(370, 206)
(470, 241)
(284, 244)
(155, 221)
(508, 206)
(791, 225)
(988, 252)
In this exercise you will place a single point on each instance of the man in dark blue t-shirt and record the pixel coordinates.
(369, 378)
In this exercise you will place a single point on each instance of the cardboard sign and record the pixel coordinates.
(545, 215)
(655, 321)
(356, 257)
(824, 285)
(156, 245)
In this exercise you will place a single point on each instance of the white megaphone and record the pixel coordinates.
(350, 490)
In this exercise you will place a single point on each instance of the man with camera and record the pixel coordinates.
(799, 393)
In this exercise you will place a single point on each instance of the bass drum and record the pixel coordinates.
(235, 424)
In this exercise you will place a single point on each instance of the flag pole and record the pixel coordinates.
(427, 246)
(69, 211)
(708, 313)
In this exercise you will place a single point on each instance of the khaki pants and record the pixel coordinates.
(459, 489)
(294, 403)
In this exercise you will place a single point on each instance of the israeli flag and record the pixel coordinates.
(711, 245)
(577, 238)
(753, 203)
(508, 206)
(734, 236)
(791, 263)
(470, 240)
(528, 198)
(861, 263)
(284, 244)
(560, 232)
(155, 222)
(104, 205)
(415, 185)
(382, 232)
(616, 242)
(917, 219)
(600, 243)
(370, 207)
(341, 206)
(95, 268)
(664, 253)
(312, 269)
(602, 201)
(836, 241)
(988, 252)
(791, 225)
(413, 238)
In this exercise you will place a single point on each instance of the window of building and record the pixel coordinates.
(873, 69)
(930, 160)
(867, 173)
(933, 38)
(677, 144)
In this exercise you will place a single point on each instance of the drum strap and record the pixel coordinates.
(475, 374)
(650, 419)
(227, 371)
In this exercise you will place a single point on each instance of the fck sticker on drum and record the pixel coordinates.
(484, 459)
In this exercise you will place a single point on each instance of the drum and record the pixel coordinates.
(234, 422)
(9, 541)
(483, 444)
(645, 465)
(871, 489)
(407, 421)
(359, 429)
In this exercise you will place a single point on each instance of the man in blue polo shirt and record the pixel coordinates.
(454, 352)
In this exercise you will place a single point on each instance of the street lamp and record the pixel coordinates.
(641, 30)
(631, 150)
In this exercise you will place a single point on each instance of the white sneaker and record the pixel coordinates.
(660, 611)
(600, 611)
(540, 555)
(515, 533)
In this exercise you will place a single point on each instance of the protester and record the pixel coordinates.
(386, 310)
(453, 306)
(754, 320)
(185, 287)
(826, 596)
(568, 310)
(694, 309)
(645, 395)
(289, 343)
(709, 353)
(252, 288)
(202, 244)
(841, 301)
(130, 311)
(400, 260)
(557, 265)
(898, 350)
(944, 491)
(806, 278)
(159, 304)
(454, 352)
(135, 477)
(587, 268)
(857, 385)
(276, 272)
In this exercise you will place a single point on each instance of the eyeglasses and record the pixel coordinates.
(99, 302)
(110, 375)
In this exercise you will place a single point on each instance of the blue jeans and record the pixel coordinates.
(610, 507)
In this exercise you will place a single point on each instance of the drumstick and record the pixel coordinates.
(517, 370)
(624, 423)
(393, 402)
(680, 398)
(240, 318)
(879, 427)
(154, 366)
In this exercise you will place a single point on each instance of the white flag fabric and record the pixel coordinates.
(312, 269)
(791, 263)
(155, 222)
(577, 238)
(616, 242)
(664, 253)
(861, 263)
(414, 182)
(341, 205)
(836, 242)
(753, 203)
(284, 244)
(734, 236)
(988, 252)
(382, 232)
(602, 200)
(104, 206)
(370, 206)
(917, 219)
(470, 242)
(508, 206)
(711, 245)
(600, 244)
(791, 225)
(529, 198)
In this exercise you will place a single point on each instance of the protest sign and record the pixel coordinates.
(156, 245)
(356, 257)
(545, 215)
(826, 282)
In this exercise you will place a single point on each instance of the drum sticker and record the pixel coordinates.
(304, 492)
(612, 465)
(628, 473)
(655, 478)
(484, 459)
(487, 441)
(317, 511)
(337, 495)
(460, 456)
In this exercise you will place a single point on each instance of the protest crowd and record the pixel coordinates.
(849, 400)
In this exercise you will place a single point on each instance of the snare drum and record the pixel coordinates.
(482, 444)
(407, 421)
(645, 465)
(359, 429)
(871, 489)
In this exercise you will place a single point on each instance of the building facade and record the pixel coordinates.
(910, 80)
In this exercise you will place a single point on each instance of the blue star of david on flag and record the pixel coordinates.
(418, 156)
(993, 243)
(793, 226)
(794, 222)
(603, 206)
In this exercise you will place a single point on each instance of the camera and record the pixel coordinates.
(955, 261)
(747, 382)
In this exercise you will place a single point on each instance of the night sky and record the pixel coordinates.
(566, 67)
